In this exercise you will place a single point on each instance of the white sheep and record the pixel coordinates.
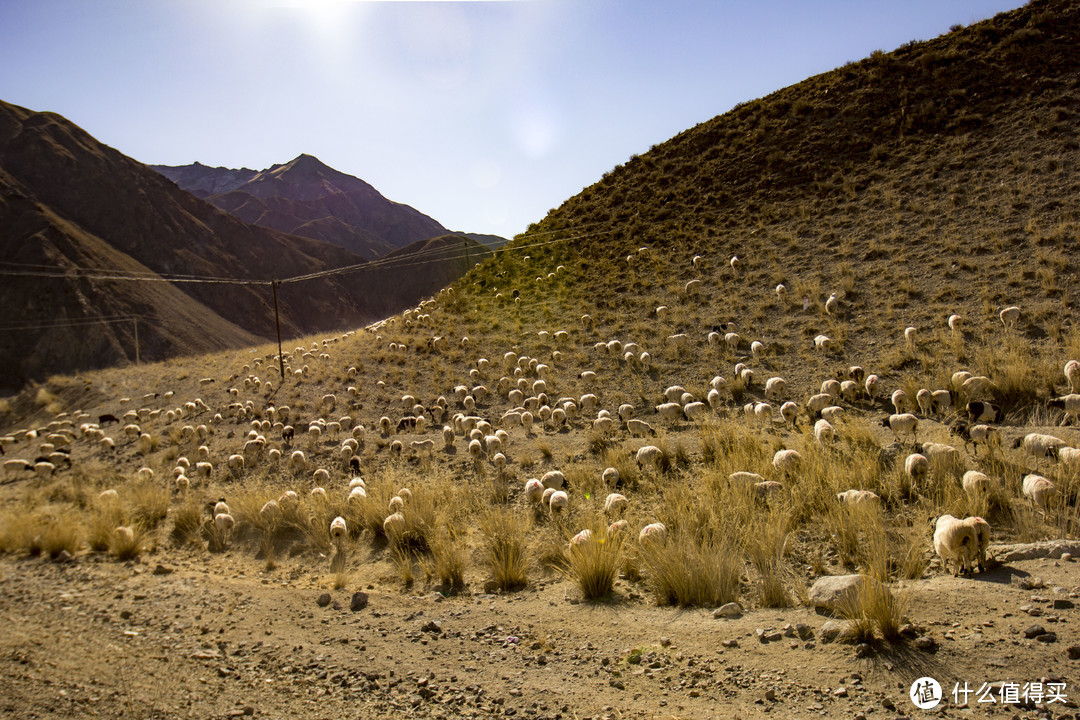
(558, 502)
(394, 526)
(1072, 375)
(823, 343)
(1009, 317)
(955, 322)
(831, 388)
(775, 388)
(742, 480)
(789, 411)
(902, 424)
(917, 467)
(639, 428)
(823, 432)
(615, 504)
(871, 386)
(735, 263)
(982, 539)
(925, 399)
(977, 386)
(1038, 446)
(787, 462)
(909, 336)
(338, 529)
(816, 403)
(1038, 490)
(648, 457)
(653, 532)
(832, 305)
(944, 458)
(849, 391)
(900, 401)
(695, 411)
(553, 479)
(781, 292)
(976, 484)
(763, 491)
(956, 542)
(1069, 403)
(856, 498)
(534, 490)
(670, 411)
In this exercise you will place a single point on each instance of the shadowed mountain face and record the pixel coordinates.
(307, 198)
(76, 215)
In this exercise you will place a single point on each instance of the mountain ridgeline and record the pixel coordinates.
(306, 197)
(79, 221)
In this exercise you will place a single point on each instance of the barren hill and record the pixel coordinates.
(308, 198)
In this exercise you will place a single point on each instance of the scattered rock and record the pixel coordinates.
(829, 591)
(841, 691)
(832, 629)
(64, 556)
(1047, 637)
(1034, 631)
(729, 610)
(804, 631)
(323, 600)
(359, 601)
(770, 695)
(1074, 652)
(491, 587)
(665, 642)
(1063, 604)
(162, 570)
(925, 642)
(735, 644)
(862, 650)
(432, 626)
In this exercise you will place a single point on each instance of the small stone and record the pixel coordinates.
(64, 556)
(770, 695)
(728, 610)
(1063, 604)
(665, 642)
(863, 650)
(1047, 637)
(840, 692)
(491, 587)
(735, 643)
(760, 634)
(1074, 652)
(804, 631)
(1066, 557)
(925, 642)
(831, 630)
(1034, 631)
(432, 626)
(773, 636)
(323, 600)
(359, 601)
(888, 704)
(617, 684)
(162, 570)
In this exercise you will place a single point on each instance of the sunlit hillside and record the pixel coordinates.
(879, 221)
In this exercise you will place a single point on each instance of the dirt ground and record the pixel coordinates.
(169, 637)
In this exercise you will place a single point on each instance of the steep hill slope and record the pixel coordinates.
(308, 198)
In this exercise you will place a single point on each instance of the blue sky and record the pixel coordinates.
(483, 115)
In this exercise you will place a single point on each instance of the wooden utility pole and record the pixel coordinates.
(277, 324)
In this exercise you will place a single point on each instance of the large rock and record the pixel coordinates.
(828, 592)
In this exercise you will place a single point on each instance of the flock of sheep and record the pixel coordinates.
(522, 399)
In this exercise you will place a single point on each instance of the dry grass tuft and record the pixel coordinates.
(505, 550)
(594, 564)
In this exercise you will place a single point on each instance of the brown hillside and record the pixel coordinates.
(303, 195)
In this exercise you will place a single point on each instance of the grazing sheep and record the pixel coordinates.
(742, 480)
(917, 467)
(871, 386)
(925, 399)
(1038, 490)
(849, 391)
(670, 411)
(648, 457)
(1072, 375)
(781, 292)
(823, 432)
(943, 458)
(955, 322)
(338, 529)
(653, 532)
(553, 479)
(1069, 403)
(1009, 317)
(977, 435)
(909, 336)
(823, 343)
(763, 413)
(977, 386)
(735, 263)
(940, 401)
(817, 403)
(902, 424)
(900, 401)
(831, 388)
(775, 388)
(976, 484)
(558, 502)
(1039, 446)
(732, 341)
(615, 504)
(204, 469)
(639, 428)
(789, 411)
(956, 542)
(394, 526)
(786, 462)
(832, 305)
(534, 490)
(982, 538)
(695, 411)
(764, 491)
(757, 349)
(984, 412)
(855, 498)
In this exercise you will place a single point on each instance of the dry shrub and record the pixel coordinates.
(188, 520)
(594, 564)
(450, 554)
(148, 503)
(873, 607)
(765, 544)
(506, 552)
(402, 559)
(53, 531)
(101, 524)
(128, 547)
(686, 570)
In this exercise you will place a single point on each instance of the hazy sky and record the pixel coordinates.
(483, 115)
